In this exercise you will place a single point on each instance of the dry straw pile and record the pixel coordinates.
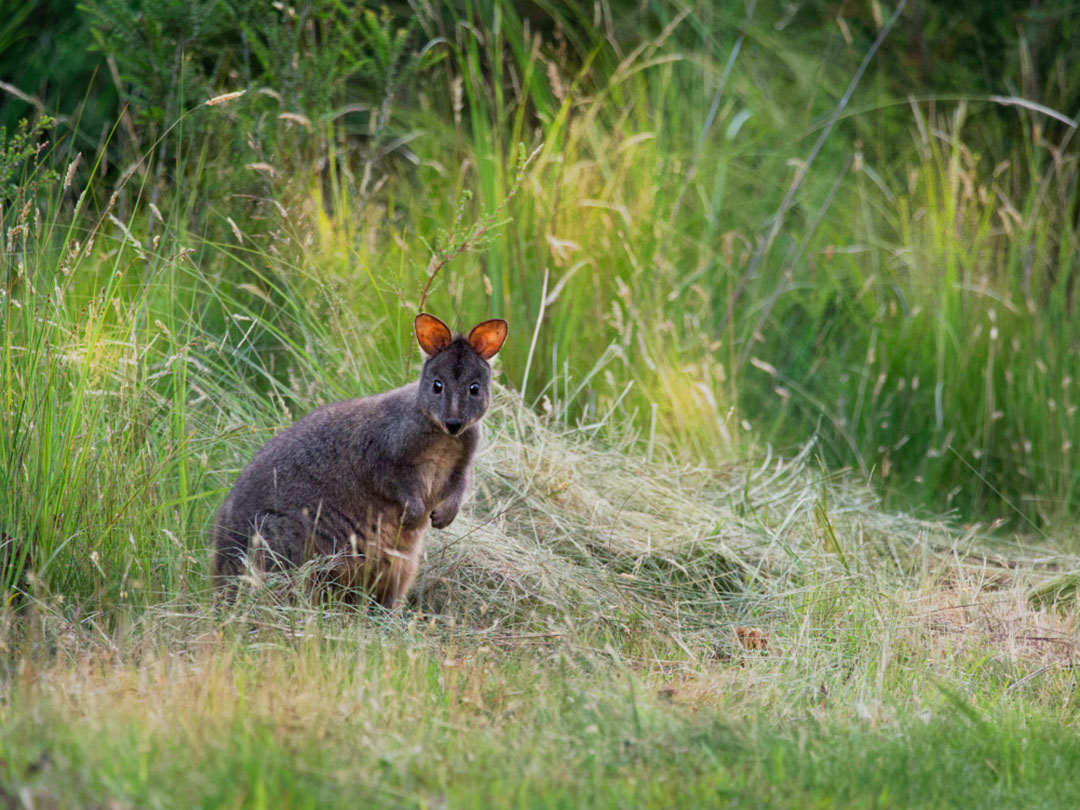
(585, 536)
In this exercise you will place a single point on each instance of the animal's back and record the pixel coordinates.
(310, 492)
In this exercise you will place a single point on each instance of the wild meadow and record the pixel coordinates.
(777, 504)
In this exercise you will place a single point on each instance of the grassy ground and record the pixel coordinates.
(751, 349)
(955, 694)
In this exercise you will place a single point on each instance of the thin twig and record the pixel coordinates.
(439, 261)
(1031, 676)
(33, 101)
(784, 282)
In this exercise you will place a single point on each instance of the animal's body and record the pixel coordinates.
(356, 483)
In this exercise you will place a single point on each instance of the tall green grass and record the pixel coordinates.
(946, 354)
(914, 306)
(661, 211)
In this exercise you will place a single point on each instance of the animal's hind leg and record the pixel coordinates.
(278, 542)
(399, 574)
(230, 549)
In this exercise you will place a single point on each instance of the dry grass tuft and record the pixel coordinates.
(590, 536)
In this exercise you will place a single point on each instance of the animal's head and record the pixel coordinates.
(455, 384)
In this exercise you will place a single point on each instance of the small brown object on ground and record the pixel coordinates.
(752, 638)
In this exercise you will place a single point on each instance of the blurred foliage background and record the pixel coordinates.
(713, 242)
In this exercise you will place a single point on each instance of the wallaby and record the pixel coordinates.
(356, 482)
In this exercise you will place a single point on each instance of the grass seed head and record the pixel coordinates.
(224, 98)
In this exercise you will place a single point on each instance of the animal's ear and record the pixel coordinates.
(487, 337)
(432, 334)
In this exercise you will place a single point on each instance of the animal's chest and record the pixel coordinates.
(433, 468)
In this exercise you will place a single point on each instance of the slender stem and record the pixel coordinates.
(710, 119)
(778, 218)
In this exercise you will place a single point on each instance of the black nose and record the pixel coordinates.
(453, 426)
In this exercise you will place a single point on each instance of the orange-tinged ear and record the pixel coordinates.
(432, 334)
(487, 337)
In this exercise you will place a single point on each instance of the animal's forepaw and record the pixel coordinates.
(443, 514)
(412, 513)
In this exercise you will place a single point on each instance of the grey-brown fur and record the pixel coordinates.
(358, 481)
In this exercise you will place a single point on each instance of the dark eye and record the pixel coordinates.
(437, 387)
(474, 389)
